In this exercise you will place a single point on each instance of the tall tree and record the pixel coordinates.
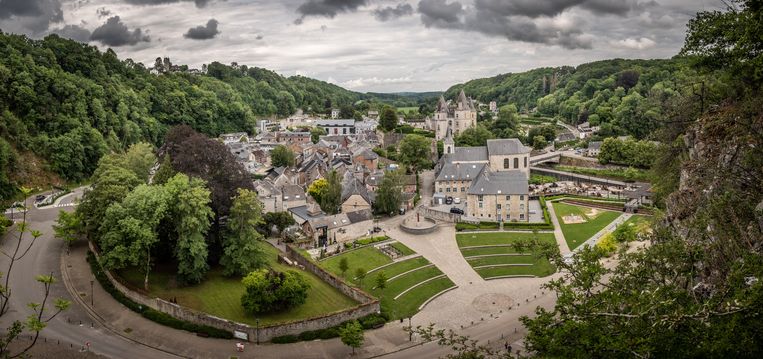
(318, 189)
(140, 159)
(415, 151)
(282, 156)
(191, 215)
(164, 172)
(388, 119)
(241, 246)
(130, 229)
(331, 199)
(389, 196)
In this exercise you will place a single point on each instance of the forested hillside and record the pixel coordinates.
(64, 104)
(625, 97)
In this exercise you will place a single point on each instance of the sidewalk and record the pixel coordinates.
(169, 342)
(560, 240)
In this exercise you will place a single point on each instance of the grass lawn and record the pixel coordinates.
(407, 304)
(367, 258)
(468, 252)
(221, 296)
(492, 238)
(403, 249)
(484, 261)
(539, 270)
(540, 266)
(576, 234)
(408, 109)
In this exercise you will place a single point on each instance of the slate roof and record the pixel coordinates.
(353, 186)
(360, 216)
(503, 182)
(594, 145)
(301, 212)
(460, 172)
(292, 192)
(506, 146)
(468, 154)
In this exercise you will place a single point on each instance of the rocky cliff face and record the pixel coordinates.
(719, 204)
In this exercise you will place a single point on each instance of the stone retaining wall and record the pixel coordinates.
(368, 305)
(444, 216)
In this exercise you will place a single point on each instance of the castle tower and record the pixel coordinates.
(449, 146)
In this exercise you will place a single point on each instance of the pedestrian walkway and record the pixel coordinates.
(560, 240)
(609, 228)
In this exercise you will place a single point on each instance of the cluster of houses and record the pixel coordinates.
(346, 149)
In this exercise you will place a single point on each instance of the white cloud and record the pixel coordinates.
(636, 44)
(368, 82)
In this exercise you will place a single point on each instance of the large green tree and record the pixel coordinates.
(389, 195)
(415, 152)
(388, 119)
(282, 156)
(130, 229)
(268, 291)
(191, 215)
(241, 245)
(330, 201)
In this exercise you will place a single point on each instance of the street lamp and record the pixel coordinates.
(258, 330)
(91, 292)
(410, 330)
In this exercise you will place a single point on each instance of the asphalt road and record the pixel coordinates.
(44, 258)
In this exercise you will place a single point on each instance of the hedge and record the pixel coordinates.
(150, 313)
(370, 321)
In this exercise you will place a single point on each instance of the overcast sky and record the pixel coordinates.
(367, 45)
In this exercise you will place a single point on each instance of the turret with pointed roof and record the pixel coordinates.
(456, 116)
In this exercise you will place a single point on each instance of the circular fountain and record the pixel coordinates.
(418, 225)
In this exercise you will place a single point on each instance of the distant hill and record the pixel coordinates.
(609, 92)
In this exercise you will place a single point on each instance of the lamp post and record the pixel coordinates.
(92, 301)
(257, 321)
(410, 330)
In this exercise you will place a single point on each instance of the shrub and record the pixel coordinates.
(606, 245)
(272, 291)
(367, 241)
(368, 322)
(285, 339)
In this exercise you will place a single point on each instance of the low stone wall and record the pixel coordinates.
(444, 216)
(368, 305)
(331, 279)
(431, 227)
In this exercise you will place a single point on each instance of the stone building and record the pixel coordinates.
(456, 116)
(492, 179)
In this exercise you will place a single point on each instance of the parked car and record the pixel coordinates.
(377, 229)
(402, 211)
(39, 197)
(449, 200)
(456, 200)
(456, 210)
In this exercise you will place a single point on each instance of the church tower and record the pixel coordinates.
(448, 144)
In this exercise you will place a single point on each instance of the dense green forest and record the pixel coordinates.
(63, 105)
(624, 97)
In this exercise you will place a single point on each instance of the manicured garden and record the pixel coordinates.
(409, 283)
(493, 255)
(221, 296)
(577, 233)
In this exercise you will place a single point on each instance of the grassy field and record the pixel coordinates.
(402, 248)
(221, 296)
(367, 258)
(408, 303)
(408, 109)
(576, 234)
(502, 241)
(494, 238)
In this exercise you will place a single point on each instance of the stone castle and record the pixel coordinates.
(455, 116)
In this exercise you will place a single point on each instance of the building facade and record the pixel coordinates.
(456, 116)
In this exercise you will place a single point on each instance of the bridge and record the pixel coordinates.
(569, 176)
(546, 157)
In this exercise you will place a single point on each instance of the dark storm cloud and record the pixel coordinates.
(199, 3)
(102, 12)
(550, 8)
(499, 18)
(74, 32)
(389, 12)
(115, 33)
(440, 13)
(30, 16)
(203, 32)
(327, 8)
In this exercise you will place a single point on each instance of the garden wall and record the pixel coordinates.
(369, 305)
